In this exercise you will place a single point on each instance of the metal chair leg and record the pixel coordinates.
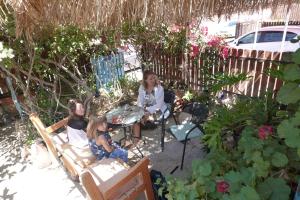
(174, 117)
(125, 136)
(163, 135)
(183, 153)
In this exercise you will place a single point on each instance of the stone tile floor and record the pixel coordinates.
(23, 180)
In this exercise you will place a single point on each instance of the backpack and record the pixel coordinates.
(159, 183)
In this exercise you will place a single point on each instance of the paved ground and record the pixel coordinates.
(23, 180)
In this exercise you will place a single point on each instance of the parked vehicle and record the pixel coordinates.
(269, 39)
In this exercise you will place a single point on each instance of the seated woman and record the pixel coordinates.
(151, 98)
(76, 124)
(100, 141)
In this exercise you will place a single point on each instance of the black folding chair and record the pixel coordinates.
(169, 99)
(192, 128)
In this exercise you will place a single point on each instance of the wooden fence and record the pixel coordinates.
(182, 68)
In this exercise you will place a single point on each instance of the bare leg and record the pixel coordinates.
(137, 130)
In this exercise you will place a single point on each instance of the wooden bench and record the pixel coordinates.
(104, 179)
(73, 159)
(106, 182)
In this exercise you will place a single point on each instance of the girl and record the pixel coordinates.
(100, 141)
(76, 124)
(151, 98)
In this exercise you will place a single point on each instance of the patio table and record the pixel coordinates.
(124, 117)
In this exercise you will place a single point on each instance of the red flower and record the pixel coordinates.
(214, 42)
(195, 50)
(264, 131)
(204, 30)
(225, 52)
(222, 186)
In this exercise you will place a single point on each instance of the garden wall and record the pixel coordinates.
(185, 69)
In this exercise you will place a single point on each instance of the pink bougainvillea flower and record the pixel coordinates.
(225, 52)
(214, 41)
(222, 186)
(192, 36)
(175, 28)
(204, 30)
(195, 50)
(264, 131)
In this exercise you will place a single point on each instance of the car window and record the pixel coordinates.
(275, 36)
(247, 39)
(289, 36)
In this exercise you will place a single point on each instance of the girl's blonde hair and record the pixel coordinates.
(94, 123)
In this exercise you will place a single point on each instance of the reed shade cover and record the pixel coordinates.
(32, 14)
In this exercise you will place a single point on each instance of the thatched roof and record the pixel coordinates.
(102, 13)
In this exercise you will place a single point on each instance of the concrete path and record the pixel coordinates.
(24, 181)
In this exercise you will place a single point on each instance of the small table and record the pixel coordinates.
(124, 117)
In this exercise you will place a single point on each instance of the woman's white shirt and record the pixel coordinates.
(159, 98)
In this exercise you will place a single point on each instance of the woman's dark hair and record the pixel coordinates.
(92, 127)
(72, 106)
(146, 74)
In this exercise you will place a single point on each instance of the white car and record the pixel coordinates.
(269, 39)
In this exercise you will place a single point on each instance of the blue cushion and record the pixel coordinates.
(180, 131)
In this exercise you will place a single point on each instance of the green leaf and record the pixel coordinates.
(274, 188)
(201, 168)
(247, 175)
(248, 193)
(298, 152)
(262, 168)
(296, 57)
(288, 130)
(289, 93)
(268, 151)
(233, 176)
(279, 159)
(291, 72)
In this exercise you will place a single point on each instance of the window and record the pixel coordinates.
(289, 36)
(275, 36)
(247, 39)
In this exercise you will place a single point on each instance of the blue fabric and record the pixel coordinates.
(119, 153)
(100, 152)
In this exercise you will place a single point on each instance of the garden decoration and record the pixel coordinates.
(108, 70)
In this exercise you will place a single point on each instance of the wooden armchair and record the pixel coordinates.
(126, 184)
(73, 159)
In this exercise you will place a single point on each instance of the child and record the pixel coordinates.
(100, 141)
(76, 124)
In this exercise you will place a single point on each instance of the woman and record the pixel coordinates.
(151, 98)
(76, 124)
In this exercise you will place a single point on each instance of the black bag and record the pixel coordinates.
(158, 181)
